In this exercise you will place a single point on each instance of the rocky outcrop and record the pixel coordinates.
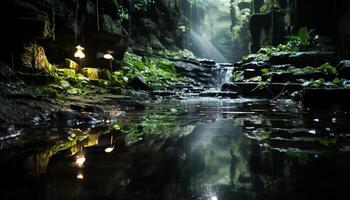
(34, 58)
(5, 71)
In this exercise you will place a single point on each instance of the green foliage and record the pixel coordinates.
(142, 4)
(268, 5)
(327, 68)
(158, 72)
(238, 76)
(302, 40)
(122, 14)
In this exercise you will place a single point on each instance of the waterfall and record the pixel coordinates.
(221, 74)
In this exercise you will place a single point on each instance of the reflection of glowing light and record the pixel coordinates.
(79, 53)
(80, 161)
(214, 198)
(80, 176)
(109, 149)
(312, 131)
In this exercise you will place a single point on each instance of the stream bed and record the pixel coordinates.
(201, 149)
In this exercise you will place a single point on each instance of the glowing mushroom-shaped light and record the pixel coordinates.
(111, 147)
(108, 56)
(79, 53)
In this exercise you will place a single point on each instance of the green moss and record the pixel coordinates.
(158, 72)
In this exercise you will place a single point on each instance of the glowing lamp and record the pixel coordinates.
(108, 56)
(79, 53)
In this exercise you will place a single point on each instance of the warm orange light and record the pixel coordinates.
(80, 176)
(80, 160)
(79, 53)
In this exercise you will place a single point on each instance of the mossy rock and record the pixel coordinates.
(70, 64)
(91, 73)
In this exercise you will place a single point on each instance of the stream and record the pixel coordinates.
(200, 148)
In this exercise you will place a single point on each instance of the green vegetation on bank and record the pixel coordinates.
(59, 82)
(304, 43)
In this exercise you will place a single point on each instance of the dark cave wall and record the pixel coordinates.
(328, 18)
(59, 26)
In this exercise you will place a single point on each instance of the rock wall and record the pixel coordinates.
(60, 25)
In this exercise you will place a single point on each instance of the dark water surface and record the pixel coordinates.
(203, 149)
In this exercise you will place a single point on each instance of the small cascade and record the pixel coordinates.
(221, 74)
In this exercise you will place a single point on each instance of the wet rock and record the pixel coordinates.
(255, 65)
(5, 71)
(283, 77)
(250, 73)
(273, 90)
(344, 69)
(35, 79)
(207, 62)
(111, 26)
(280, 58)
(155, 43)
(219, 94)
(139, 83)
(312, 58)
(164, 93)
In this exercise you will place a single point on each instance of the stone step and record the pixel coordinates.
(219, 94)
(283, 77)
(271, 90)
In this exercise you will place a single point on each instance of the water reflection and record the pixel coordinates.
(193, 149)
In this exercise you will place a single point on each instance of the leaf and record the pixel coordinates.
(265, 71)
(304, 36)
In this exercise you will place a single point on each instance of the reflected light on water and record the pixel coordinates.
(111, 147)
(80, 176)
(214, 198)
(80, 161)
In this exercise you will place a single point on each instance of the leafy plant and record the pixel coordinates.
(268, 5)
(156, 71)
(327, 68)
(238, 76)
